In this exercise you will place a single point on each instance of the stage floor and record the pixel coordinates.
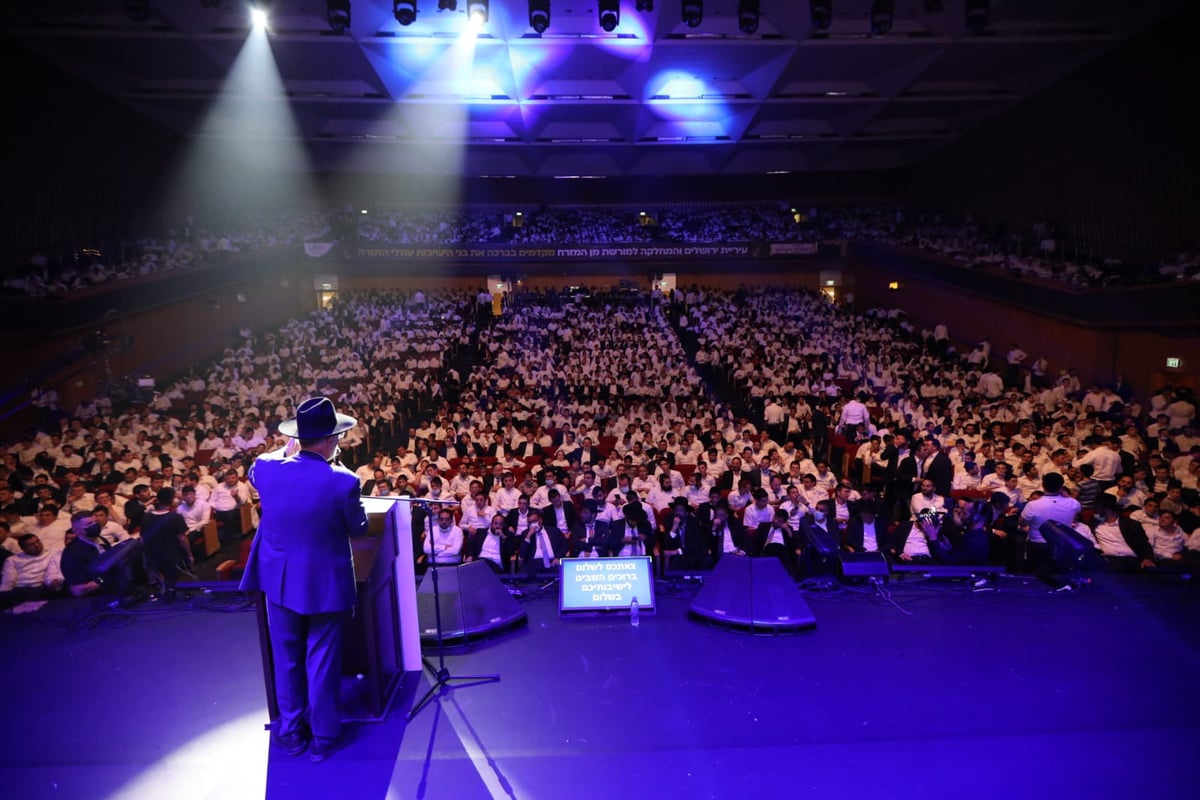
(937, 692)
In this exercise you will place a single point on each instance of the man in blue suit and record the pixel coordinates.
(301, 561)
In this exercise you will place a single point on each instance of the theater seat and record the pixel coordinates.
(230, 570)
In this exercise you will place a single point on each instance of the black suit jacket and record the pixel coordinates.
(688, 538)
(854, 534)
(550, 517)
(529, 450)
(511, 518)
(604, 541)
(1135, 536)
(941, 472)
(906, 472)
(642, 526)
(737, 531)
(558, 544)
(577, 453)
(473, 545)
(761, 536)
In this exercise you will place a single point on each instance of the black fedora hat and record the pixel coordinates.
(316, 418)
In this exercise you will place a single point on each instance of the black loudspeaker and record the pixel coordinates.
(1071, 551)
(872, 565)
(754, 593)
(473, 602)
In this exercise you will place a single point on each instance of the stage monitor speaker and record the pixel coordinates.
(1071, 550)
(753, 593)
(473, 601)
(870, 565)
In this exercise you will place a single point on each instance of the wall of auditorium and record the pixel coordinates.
(85, 170)
(1107, 155)
(1097, 353)
(165, 341)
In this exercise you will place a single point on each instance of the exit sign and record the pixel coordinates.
(1173, 363)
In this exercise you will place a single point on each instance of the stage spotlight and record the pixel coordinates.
(882, 15)
(477, 11)
(693, 12)
(338, 12)
(820, 14)
(645, 5)
(138, 10)
(260, 12)
(539, 15)
(406, 11)
(609, 12)
(978, 15)
(748, 16)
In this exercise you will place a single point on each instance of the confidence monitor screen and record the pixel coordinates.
(606, 584)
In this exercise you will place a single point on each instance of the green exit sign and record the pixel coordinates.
(1173, 363)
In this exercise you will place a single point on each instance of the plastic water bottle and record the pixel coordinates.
(633, 613)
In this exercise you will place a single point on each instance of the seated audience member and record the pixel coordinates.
(796, 506)
(634, 529)
(811, 492)
(561, 516)
(196, 513)
(819, 538)
(962, 537)
(79, 558)
(541, 496)
(1126, 493)
(445, 544)
(912, 543)
(728, 535)
(593, 537)
(662, 495)
(740, 499)
(492, 545)
(476, 516)
(866, 531)
(542, 547)
(1122, 541)
(505, 496)
(51, 529)
(30, 573)
(137, 504)
(1167, 539)
(517, 519)
(776, 539)
(758, 512)
(110, 531)
(1147, 514)
(679, 536)
(1172, 500)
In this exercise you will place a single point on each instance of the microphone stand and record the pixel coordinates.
(441, 675)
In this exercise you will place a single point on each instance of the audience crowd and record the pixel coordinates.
(1034, 253)
(703, 425)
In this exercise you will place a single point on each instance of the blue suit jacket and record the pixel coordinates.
(301, 554)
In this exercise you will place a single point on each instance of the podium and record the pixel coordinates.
(381, 646)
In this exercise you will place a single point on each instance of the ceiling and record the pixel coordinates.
(654, 97)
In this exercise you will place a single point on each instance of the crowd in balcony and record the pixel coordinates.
(1035, 253)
